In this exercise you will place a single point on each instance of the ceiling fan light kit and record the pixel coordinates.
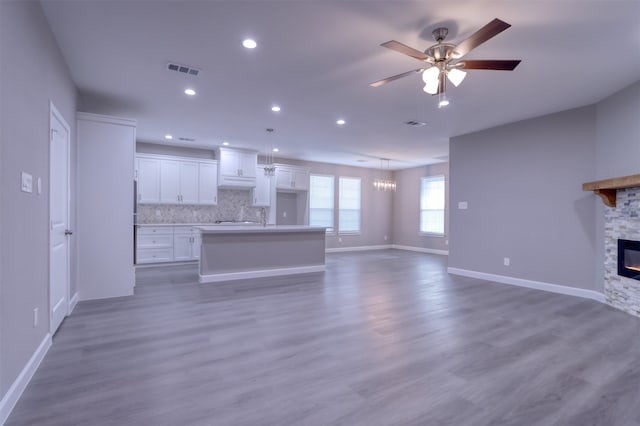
(443, 59)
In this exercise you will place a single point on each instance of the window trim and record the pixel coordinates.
(444, 219)
(359, 231)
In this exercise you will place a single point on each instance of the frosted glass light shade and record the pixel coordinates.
(430, 77)
(456, 76)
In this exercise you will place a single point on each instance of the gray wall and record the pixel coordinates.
(523, 185)
(32, 73)
(406, 208)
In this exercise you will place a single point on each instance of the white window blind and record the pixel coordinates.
(349, 205)
(432, 205)
(321, 201)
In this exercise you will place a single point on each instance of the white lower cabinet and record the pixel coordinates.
(154, 244)
(186, 243)
(157, 244)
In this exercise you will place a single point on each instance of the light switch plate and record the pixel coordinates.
(463, 205)
(26, 182)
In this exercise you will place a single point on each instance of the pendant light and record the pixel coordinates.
(384, 184)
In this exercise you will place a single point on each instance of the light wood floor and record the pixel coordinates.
(381, 338)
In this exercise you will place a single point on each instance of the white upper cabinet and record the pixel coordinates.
(292, 178)
(262, 191)
(173, 180)
(148, 180)
(237, 168)
(188, 182)
(169, 182)
(208, 184)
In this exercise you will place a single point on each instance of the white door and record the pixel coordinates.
(59, 231)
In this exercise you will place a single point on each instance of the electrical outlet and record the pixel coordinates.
(339, 239)
(26, 182)
(35, 317)
(507, 261)
(446, 242)
(385, 238)
(284, 214)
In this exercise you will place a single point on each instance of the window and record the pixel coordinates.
(432, 205)
(321, 201)
(349, 205)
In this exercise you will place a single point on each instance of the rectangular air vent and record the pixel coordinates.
(187, 139)
(184, 69)
(415, 123)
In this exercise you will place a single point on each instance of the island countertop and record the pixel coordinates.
(257, 229)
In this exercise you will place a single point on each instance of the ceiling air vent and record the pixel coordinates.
(187, 139)
(184, 69)
(414, 123)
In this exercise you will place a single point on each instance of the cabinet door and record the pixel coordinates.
(197, 242)
(229, 163)
(169, 181)
(148, 180)
(248, 163)
(188, 188)
(283, 178)
(182, 243)
(300, 179)
(208, 184)
(262, 191)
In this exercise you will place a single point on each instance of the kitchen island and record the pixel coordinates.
(240, 252)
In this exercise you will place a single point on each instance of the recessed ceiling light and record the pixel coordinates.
(249, 43)
(340, 122)
(168, 137)
(225, 143)
(275, 108)
(190, 92)
(276, 150)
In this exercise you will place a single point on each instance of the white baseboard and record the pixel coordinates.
(73, 302)
(537, 285)
(12, 396)
(360, 248)
(229, 276)
(420, 249)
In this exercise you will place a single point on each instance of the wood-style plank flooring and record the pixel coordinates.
(381, 338)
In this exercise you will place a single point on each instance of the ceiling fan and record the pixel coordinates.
(443, 60)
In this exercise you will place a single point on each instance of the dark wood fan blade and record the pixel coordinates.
(395, 77)
(404, 49)
(490, 30)
(488, 64)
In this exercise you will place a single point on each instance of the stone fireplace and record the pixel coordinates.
(622, 222)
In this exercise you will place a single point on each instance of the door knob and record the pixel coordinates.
(68, 232)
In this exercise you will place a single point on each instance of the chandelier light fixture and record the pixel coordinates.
(269, 167)
(384, 184)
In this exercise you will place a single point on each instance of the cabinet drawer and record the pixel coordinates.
(162, 240)
(152, 230)
(184, 230)
(151, 255)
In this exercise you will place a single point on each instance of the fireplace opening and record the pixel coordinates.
(629, 259)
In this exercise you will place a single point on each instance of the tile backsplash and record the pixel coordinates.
(232, 205)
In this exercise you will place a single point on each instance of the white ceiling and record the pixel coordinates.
(315, 59)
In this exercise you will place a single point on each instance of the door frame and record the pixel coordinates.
(54, 113)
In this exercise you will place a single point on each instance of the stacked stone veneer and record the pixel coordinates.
(232, 205)
(621, 222)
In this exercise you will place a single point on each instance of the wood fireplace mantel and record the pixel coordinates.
(607, 188)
